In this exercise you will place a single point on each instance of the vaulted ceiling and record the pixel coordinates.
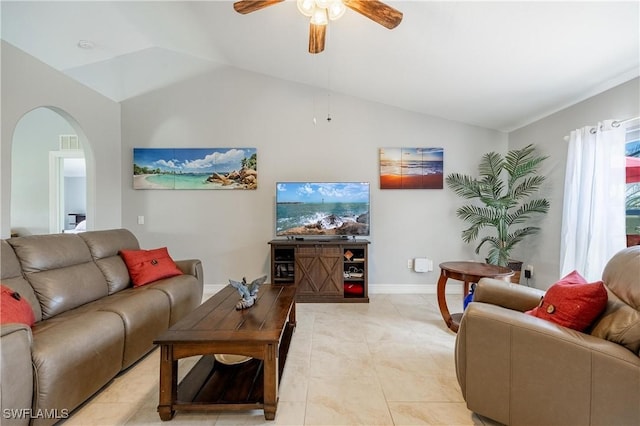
(499, 65)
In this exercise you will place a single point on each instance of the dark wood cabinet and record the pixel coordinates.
(322, 270)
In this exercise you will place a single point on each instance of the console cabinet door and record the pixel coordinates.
(319, 271)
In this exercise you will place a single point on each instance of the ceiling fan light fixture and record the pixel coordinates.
(321, 11)
(306, 7)
(319, 16)
(336, 9)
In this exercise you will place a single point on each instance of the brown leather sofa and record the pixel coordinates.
(521, 370)
(91, 324)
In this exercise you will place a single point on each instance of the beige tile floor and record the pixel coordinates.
(389, 362)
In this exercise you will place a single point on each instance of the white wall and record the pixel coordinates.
(230, 230)
(548, 134)
(28, 84)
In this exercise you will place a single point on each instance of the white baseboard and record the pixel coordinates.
(452, 287)
(213, 288)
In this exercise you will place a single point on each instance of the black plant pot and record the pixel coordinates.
(516, 267)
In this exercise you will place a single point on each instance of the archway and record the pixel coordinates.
(43, 141)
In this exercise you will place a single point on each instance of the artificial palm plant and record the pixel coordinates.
(504, 189)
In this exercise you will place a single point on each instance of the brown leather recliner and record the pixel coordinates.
(521, 370)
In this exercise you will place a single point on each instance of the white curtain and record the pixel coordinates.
(593, 216)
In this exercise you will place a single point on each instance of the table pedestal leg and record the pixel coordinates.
(467, 272)
(168, 383)
(271, 382)
(442, 302)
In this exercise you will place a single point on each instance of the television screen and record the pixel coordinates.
(322, 208)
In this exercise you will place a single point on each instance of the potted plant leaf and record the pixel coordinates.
(504, 191)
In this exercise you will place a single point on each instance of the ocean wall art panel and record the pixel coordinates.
(411, 168)
(195, 168)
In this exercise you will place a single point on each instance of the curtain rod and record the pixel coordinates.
(621, 122)
(616, 123)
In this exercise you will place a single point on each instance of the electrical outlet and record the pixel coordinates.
(409, 263)
(140, 220)
(528, 271)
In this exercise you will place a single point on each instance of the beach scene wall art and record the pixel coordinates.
(195, 168)
(411, 168)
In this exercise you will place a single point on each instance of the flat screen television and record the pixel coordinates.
(339, 209)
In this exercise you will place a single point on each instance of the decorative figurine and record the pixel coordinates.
(248, 292)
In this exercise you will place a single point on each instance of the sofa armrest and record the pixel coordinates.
(520, 369)
(16, 373)
(191, 267)
(507, 295)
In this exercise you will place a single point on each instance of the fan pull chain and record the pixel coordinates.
(315, 79)
(329, 65)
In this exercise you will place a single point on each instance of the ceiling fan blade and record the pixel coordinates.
(377, 11)
(248, 6)
(316, 38)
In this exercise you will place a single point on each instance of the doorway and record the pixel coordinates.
(48, 175)
(67, 191)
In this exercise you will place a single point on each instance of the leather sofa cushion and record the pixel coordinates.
(10, 263)
(61, 271)
(15, 370)
(621, 276)
(619, 323)
(74, 355)
(104, 247)
(184, 294)
(145, 315)
(66, 288)
(39, 253)
(107, 243)
(115, 271)
(11, 276)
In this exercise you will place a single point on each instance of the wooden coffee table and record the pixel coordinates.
(468, 272)
(262, 332)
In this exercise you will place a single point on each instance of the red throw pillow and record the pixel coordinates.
(146, 266)
(15, 308)
(572, 302)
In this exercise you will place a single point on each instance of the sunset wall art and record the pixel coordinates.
(411, 168)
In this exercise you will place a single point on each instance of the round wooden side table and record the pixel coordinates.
(468, 272)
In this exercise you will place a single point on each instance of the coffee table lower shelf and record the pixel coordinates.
(213, 386)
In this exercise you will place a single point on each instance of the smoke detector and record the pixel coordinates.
(86, 44)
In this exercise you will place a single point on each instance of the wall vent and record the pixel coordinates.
(69, 142)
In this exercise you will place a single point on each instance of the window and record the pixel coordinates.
(632, 204)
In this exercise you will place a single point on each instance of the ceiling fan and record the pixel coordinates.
(320, 11)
